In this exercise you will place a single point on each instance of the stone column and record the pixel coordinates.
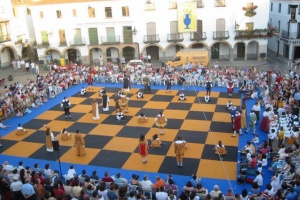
(231, 54)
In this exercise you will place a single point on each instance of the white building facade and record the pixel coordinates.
(287, 43)
(82, 31)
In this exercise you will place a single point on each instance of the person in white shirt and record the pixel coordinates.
(161, 195)
(82, 91)
(71, 172)
(16, 185)
(146, 183)
(258, 179)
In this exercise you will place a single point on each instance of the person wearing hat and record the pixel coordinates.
(237, 124)
(256, 109)
(95, 109)
(66, 106)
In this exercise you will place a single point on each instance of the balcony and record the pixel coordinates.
(110, 39)
(78, 41)
(150, 39)
(220, 3)
(4, 38)
(290, 35)
(251, 34)
(177, 37)
(221, 35)
(198, 36)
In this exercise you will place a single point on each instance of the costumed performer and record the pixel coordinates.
(120, 116)
(206, 98)
(105, 102)
(208, 85)
(126, 83)
(228, 105)
(155, 142)
(79, 143)
(89, 80)
(161, 122)
(143, 148)
(237, 124)
(230, 87)
(142, 118)
(117, 102)
(66, 105)
(124, 102)
(169, 84)
(95, 109)
(21, 130)
(65, 135)
(232, 114)
(82, 91)
(265, 122)
(49, 138)
(147, 84)
(179, 146)
(140, 95)
(220, 148)
(182, 97)
(102, 92)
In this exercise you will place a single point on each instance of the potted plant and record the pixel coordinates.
(10, 78)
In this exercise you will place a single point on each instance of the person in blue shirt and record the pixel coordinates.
(195, 180)
(292, 195)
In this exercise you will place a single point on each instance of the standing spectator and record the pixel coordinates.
(252, 122)
(123, 61)
(32, 64)
(101, 61)
(256, 109)
(149, 58)
(16, 188)
(27, 66)
(28, 190)
(66, 106)
(14, 64)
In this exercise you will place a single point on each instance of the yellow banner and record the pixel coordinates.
(187, 17)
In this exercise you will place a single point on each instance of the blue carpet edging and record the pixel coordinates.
(180, 180)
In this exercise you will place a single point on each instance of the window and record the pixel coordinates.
(125, 11)
(289, 9)
(220, 3)
(108, 12)
(279, 25)
(15, 12)
(41, 14)
(271, 6)
(91, 12)
(74, 12)
(172, 5)
(28, 11)
(279, 8)
(58, 14)
(4, 31)
(249, 26)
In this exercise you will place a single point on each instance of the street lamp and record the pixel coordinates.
(134, 31)
(236, 25)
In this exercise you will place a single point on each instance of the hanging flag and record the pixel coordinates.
(187, 17)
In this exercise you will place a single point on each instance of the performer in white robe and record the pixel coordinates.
(95, 110)
(105, 102)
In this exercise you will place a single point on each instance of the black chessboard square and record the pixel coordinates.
(193, 136)
(74, 116)
(223, 127)
(190, 166)
(109, 158)
(6, 144)
(38, 136)
(212, 100)
(88, 101)
(200, 115)
(111, 119)
(87, 94)
(209, 153)
(133, 132)
(96, 141)
(164, 98)
(36, 123)
(179, 106)
(136, 104)
(187, 93)
(43, 154)
(174, 123)
(57, 108)
(84, 128)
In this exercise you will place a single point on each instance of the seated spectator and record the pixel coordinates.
(215, 192)
(155, 142)
(107, 178)
(84, 174)
(119, 179)
(94, 175)
(195, 180)
(159, 182)
(146, 183)
(161, 194)
(135, 180)
(188, 187)
(71, 173)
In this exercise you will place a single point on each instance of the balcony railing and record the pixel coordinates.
(221, 35)
(220, 3)
(198, 36)
(110, 39)
(177, 37)
(250, 34)
(78, 41)
(151, 39)
(5, 38)
(290, 35)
